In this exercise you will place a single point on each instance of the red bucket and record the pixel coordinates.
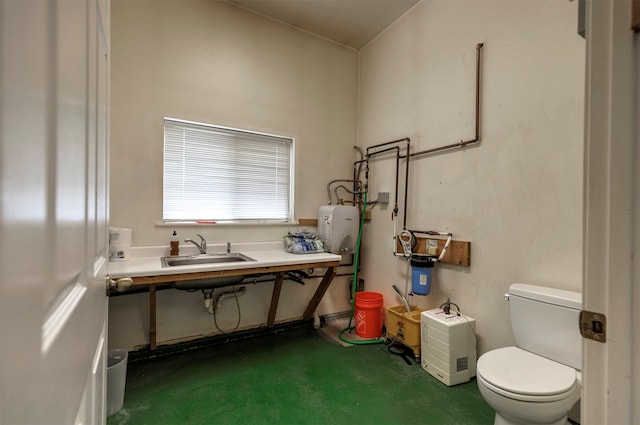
(369, 314)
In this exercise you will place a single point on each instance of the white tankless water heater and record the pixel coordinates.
(448, 346)
(338, 227)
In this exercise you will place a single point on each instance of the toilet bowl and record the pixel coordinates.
(524, 388)
(538, 380)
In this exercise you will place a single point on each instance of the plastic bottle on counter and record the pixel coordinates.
(175, 244)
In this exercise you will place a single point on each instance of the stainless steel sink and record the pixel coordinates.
(234, 257)
(208, 283)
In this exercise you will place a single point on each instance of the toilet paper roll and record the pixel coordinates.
(119, 252)
(120, 236)
(119, 243)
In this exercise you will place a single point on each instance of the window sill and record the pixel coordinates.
(225, 223)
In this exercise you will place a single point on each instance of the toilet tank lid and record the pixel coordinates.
(554, 296)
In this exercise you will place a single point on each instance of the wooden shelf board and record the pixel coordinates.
(459, 252)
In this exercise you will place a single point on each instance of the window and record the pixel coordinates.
(219, 174)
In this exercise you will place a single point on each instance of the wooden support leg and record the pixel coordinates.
(277, 287)
(322, 288)
(152, 317)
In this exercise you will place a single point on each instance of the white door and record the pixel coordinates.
(611, 378)
(53, 210)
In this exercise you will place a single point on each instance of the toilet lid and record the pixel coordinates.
(521, 372)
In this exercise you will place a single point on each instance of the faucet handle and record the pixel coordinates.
(203, 243)
(202, 246)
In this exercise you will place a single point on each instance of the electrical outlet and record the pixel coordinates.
(383, 198)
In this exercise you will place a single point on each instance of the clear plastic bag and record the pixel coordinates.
(303, 243)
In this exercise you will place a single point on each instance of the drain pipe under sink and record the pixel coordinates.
(212, 304)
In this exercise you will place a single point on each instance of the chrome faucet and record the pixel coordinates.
(202, 246)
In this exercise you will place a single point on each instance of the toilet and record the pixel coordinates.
(538, 380)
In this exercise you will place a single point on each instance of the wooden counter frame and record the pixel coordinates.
(279, 271)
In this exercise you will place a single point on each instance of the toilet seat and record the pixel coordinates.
(521, 375)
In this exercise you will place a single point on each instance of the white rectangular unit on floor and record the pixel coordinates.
(448, 346)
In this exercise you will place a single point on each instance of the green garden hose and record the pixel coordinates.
(354, 286)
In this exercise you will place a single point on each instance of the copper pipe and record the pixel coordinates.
(356, 173)
(357, 183)
(463, 143)
(398, 156)
(408, 155)
(382, 151)
(386, 143)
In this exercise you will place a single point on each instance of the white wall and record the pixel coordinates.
(517, 196)
(215, 63)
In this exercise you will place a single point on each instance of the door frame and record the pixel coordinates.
(611, 212)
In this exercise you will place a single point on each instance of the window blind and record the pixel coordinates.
(219, 174)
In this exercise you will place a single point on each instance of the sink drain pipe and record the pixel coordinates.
(355, 284)
(213, 304)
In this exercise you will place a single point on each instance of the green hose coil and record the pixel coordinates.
(354, 286)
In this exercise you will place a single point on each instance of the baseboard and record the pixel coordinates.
(333, 316)
(198, 342)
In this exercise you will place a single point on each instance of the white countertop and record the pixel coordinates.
(145, 260)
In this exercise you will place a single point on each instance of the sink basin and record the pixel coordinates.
(209, 283)
(234, 257)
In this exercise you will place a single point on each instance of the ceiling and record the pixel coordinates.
(350, 22)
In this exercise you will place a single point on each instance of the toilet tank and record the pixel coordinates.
(545, 321)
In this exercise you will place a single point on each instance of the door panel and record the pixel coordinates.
(102, 122)
(53, 215)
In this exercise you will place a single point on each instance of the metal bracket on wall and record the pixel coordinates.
(459, 252)
(593, 326)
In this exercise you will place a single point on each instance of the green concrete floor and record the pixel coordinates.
(296, 377)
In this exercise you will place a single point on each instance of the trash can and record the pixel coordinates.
(116, 378)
